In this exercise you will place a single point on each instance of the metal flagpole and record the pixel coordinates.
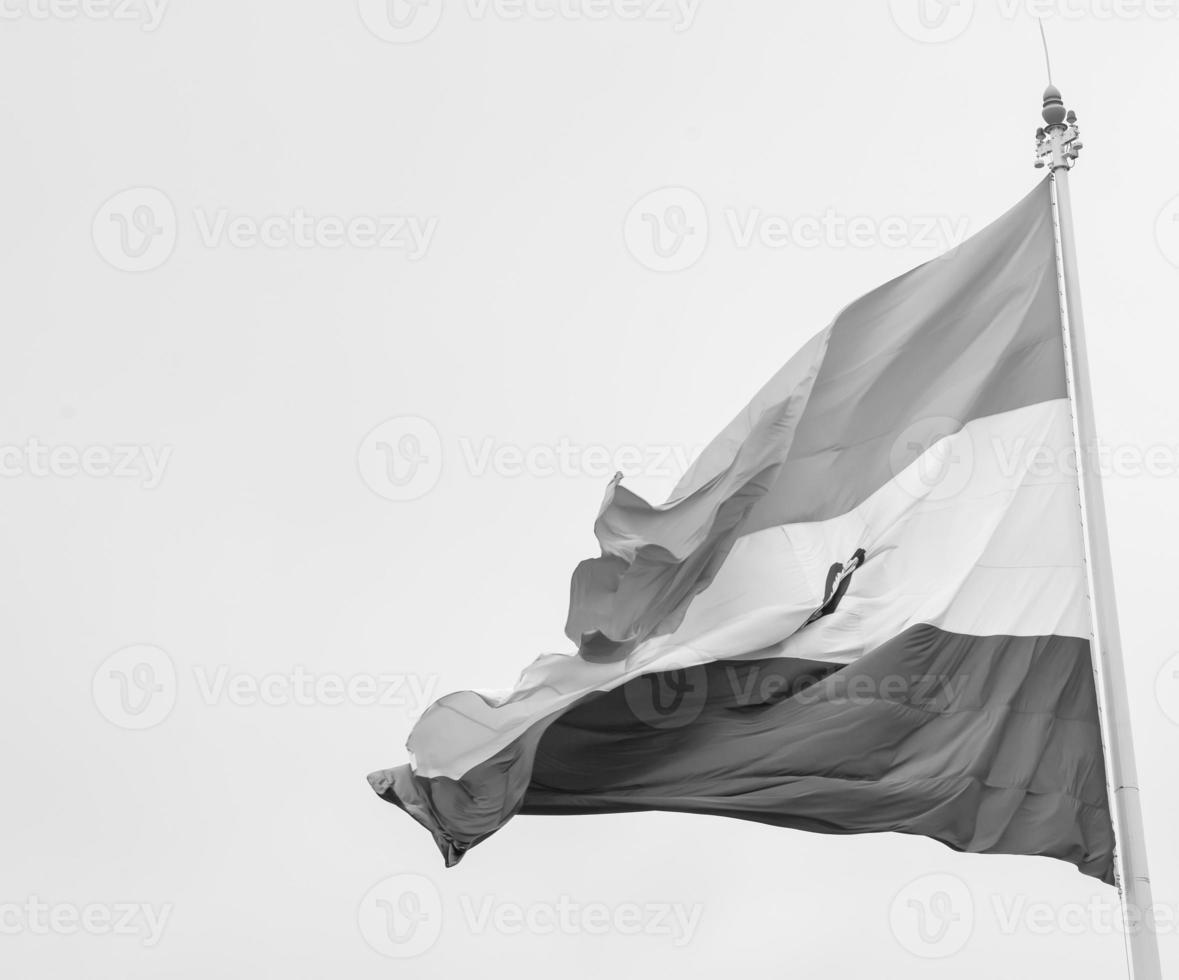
(1057, 146)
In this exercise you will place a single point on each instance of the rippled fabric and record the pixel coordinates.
(811, 632)
(988, 744)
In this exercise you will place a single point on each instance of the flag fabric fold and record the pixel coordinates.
(862, 609)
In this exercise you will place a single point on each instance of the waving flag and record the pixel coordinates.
(864, 607)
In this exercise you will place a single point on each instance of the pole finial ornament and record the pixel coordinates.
(1058, 143)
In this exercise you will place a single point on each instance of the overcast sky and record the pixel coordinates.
(325, 326)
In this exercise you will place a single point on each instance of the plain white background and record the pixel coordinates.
(315, 471)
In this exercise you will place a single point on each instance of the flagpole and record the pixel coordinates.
(1057, 146)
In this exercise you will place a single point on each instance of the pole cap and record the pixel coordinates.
(1053, 111)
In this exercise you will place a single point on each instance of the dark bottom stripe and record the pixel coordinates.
(987, 744)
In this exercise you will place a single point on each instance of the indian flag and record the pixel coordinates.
(864, 608)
